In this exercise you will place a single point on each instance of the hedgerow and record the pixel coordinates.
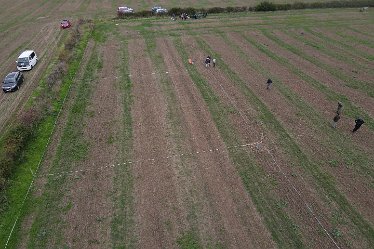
(263, 6)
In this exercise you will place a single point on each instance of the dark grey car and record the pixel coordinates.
(12, 81)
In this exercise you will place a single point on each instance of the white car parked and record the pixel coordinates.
(27, 60)
(124, 10)
(159, 10)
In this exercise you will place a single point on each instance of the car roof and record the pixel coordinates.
(25, 53)
(11, 75)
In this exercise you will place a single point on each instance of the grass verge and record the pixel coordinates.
(33, 154)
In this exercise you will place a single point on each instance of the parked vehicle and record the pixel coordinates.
(124, 10)
(12, 82)
(158, 10)
(27, 60)
(65, 24)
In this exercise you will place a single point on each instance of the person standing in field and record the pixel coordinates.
(335, 120)
(340, 108)
(269, 82)
(207, 61)
(358, 124)
(214, 62)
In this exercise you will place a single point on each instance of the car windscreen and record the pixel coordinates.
(9, 80)
(25, 59)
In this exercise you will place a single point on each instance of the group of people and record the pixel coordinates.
(209, 60)
(184, 16)
(358, 121)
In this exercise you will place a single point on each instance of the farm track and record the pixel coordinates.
(11, 103)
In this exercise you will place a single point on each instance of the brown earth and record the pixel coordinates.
(158, 212)
(318, 73)
(184, 178)
(332, 35)
(349, 64)
(227, 212)
(297, 36)
(284, 191)
(90, 216)
(355, 57)
(319, 102)
(272, 101)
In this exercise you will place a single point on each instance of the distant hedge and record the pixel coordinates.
(263, 6)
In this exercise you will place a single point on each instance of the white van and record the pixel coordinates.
(27, 60)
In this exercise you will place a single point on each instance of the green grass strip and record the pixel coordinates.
(350, 82)
(32, 156)
(123, 222)
(72, 148)
(283, 230)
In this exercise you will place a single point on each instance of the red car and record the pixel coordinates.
(65, 24)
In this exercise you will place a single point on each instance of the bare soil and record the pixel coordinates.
(275, 102)
(319, 74)
(90, 216)
(309, 137)
(227, 213)
(157, 209)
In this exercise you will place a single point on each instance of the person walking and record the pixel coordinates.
(358, 124)
(335, 120)
(340, 108)
(269, 82)
(214, 62)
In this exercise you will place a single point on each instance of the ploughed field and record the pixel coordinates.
(151, 151)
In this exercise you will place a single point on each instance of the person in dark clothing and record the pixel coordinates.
(340, 108)
(269, 82)
(358, 124)
(335, 120)
(207, 61)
